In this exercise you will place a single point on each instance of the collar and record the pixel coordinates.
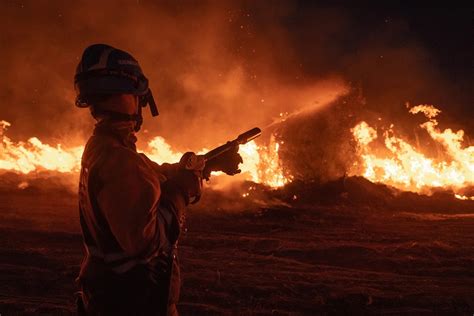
(123, 131)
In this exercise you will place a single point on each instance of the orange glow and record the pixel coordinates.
(160, 151)
(405, 167)
(33, 155)
(261, 163)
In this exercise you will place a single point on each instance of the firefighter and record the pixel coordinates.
(131, 209)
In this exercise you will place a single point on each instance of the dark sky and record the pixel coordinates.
(446, 32)
(418, 53)
(211, 60)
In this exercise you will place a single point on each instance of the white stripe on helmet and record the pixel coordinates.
(104, 58)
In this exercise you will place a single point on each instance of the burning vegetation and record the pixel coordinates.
(398, 163)
(261, 162)
(380, 156)
(353, 205)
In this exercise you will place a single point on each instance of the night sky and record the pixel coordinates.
(444, 33)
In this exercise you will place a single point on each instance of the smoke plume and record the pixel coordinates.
(218, 68)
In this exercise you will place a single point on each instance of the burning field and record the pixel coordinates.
(392, 234)
(327, 251)
(358, 198)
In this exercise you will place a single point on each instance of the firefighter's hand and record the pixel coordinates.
(191, 161)
(228, 163)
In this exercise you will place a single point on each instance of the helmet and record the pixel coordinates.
(105, 70)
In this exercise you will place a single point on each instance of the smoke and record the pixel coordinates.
(214, 73)
(320, 147)
(217, 68)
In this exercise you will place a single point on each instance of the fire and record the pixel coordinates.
(32, 155)
(463, 197)
(261, 163)
(160, 151)
(407, 168)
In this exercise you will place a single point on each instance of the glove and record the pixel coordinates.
(191, 161)
(188, 176)
(228, 163)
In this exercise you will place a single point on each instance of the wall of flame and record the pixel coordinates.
(261, 162)
(400, 164)
(382, 156)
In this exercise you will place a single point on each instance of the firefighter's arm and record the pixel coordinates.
(142, 214)
(129, 199)
(179, 178)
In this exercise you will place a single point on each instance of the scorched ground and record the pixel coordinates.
(327, 251)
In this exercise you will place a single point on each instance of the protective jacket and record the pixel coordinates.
(130, 214)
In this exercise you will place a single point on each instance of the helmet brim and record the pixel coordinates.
(111, 85)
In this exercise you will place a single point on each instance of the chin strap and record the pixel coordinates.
(151, 103)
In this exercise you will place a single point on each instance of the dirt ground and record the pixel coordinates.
(279, 259)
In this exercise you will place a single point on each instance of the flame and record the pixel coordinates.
(407, 168)
(261, 163)
(160, 151)
(32, 155)
(463, 197)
